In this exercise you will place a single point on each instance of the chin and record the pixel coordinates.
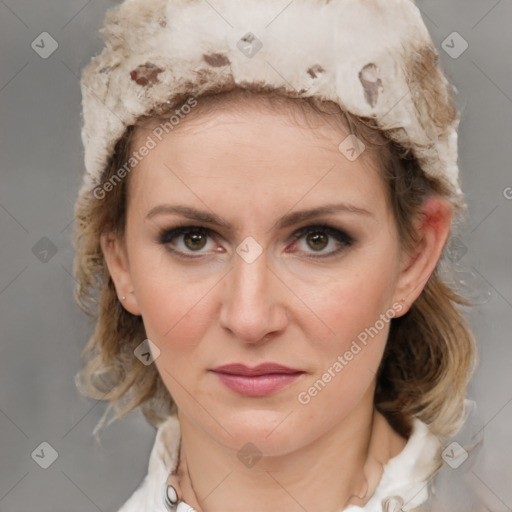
(270, 431)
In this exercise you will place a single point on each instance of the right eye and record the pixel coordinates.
(185, 240)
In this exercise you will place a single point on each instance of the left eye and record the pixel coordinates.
(318, 238)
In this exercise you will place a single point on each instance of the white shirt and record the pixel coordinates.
(406, 480)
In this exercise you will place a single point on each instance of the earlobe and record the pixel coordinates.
(114, 252)
(433, 228)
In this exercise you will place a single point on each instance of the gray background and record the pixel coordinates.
(43, 331)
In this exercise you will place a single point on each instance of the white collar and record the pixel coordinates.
(405, 475)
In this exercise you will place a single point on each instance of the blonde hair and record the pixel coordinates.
(430, 354)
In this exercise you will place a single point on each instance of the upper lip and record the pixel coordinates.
(261, 369)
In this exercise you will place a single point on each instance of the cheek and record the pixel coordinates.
(351, 302)
(176, 319)
(348, 360)
(175, 309)
(356, 314)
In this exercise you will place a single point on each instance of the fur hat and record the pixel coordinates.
(375, 58)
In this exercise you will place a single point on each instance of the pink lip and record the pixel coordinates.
(261, 380)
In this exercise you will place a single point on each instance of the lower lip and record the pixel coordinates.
(257, 385)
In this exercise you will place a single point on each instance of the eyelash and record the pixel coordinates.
(167, 235)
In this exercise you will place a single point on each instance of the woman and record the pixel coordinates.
(267, 197)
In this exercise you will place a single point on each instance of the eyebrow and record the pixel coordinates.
(287, 220)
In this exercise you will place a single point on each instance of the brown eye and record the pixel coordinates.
(317, 241)
(194, 240)
(322, 239)
(186, 239)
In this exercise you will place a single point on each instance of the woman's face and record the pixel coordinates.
(249, 240)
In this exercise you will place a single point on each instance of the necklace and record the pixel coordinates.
(172, 501)
(171, 492)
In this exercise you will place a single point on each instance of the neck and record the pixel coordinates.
(341, 468)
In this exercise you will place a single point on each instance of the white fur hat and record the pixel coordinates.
(375, 58)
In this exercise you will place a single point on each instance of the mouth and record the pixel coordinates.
(261, 380)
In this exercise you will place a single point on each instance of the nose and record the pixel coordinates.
(253, 306)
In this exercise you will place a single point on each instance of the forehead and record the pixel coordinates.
(247, 145)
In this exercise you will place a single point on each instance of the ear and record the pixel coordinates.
(114, 252)
(433, 228)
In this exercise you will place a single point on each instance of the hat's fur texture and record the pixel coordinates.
(375, 58)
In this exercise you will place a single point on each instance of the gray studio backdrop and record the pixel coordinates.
(44, 46)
